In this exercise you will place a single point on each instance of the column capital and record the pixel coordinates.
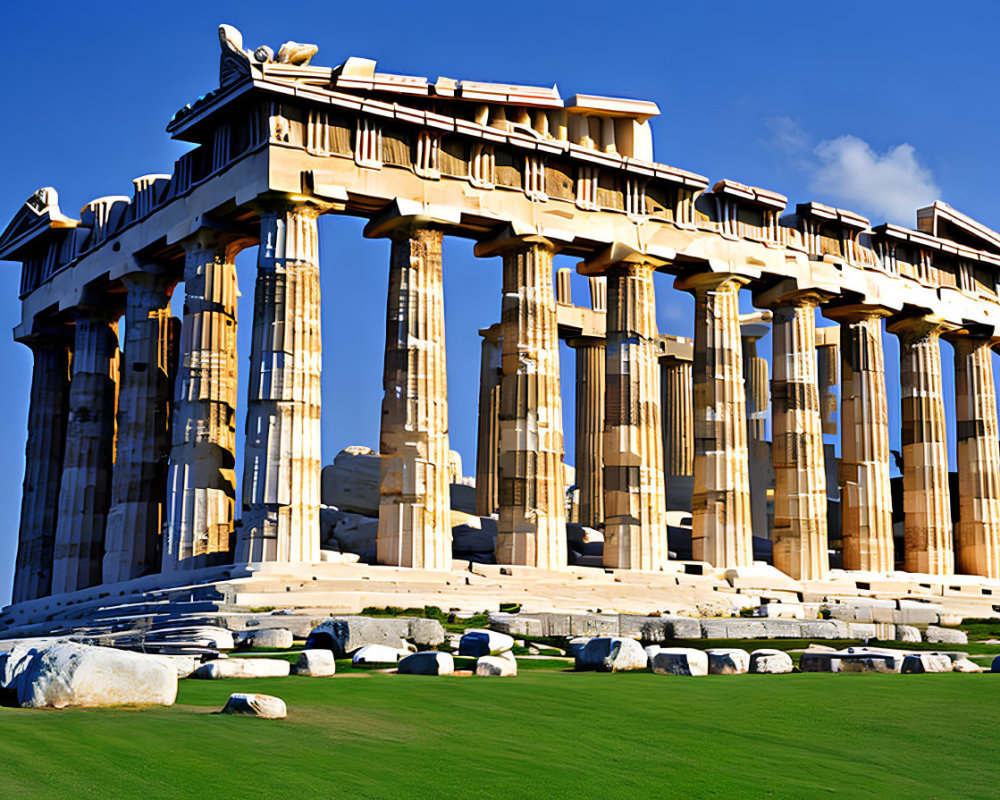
(699, 282)
(284, 202)
(586, 341)
(226, 244)
(514, 237)
(402, 217)
(494, 333)
(912, 328)
(146, 289)
(788, 293)
(618, 255)
(856, 312)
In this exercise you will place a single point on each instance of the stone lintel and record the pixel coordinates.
(401, 217)
(514, 236)
(619, 253)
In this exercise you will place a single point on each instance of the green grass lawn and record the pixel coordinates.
(546, 733)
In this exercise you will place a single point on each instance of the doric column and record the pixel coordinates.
(281, 471)
(927, 533)
(43, 460)
(532, 526)
(865, 495)
(978, 534)
(758, 398)
(800, 529)
(85, 490)
(635, 524)
(827, 375)
(201, 490)
(678, 422)
(414, 513)
(590, 367)
(488, 432)
(721, 524)
(139, 488)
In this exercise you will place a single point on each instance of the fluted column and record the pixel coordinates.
(865, 494)
(755, 381)
(281, 471)
(927, 532)
(414, 515)
(590, 367)
(827, 375)
(721, 524)
(85, 490)
(138, 491)
(800, 527)
(532, 526)
(201, 488)
(635, 524)
(678, 422)
(488, 432)
(43, 459)
(978, 533)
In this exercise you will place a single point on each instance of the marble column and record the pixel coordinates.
(85, 489)
(589, 441)
(488, 433)
(43, 460)
(978, 532)
(531, 530)
(800, 526)
(414, 515)
(281, 472)
(865, 495)
(755, 381)
(678, 421)
(138, 491)
(721, 523)
(927, 531)
(201, 479)
(635, 522)
(828, 370)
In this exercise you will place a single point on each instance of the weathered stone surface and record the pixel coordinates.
(478, 642)
(315, 664)
(243, 668)
(344, 635)
(590, 376)
(917, 663)
(184, 666)
(429, 662)
(378, 654)
(965, 665)
(264, 706)
(679, 661)
(68, 674)
(728, 661)
(266, 637)
(611, 654)
(772, 662)
(684, 628)
(194, 635)
(908, 633)
(504, 666)
(349, 533)
(351, 482)
(936, 634)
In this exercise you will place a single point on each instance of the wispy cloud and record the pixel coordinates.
(892, 184)
(849, 172)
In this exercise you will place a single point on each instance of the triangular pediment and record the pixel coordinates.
(39, 213)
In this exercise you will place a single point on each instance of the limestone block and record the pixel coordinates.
(995, 665)
(783, 610)
(264, 706)
(243, 668)
(594, 625)
(348, 532)
(952, 620)
(913, 612)
(315, 664)
(575, 645)
(823, 629)
(194, 635)
(517, 625)
(425, 632)
(184, 666)
(429, 662)
(504, 666)
(478, 642)
(965, 665)
(772, 662)
(684, 628)
(265, 637)
(378, 654)
(652, 650)
(679, 661)
(871, 659)
(728, 661)
(719, 629)
(820, 661)
(69, 674)
(861, 630)
(611, 654)
(344, 635)
(918, 663)
(908, 633)
(938, 635)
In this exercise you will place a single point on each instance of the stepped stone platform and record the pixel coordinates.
(573, 601)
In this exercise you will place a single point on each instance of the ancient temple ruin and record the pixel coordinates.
(130, 468)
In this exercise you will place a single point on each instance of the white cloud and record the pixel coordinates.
(787, 135)
(890, 185)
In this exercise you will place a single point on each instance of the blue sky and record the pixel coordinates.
(876, 107)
